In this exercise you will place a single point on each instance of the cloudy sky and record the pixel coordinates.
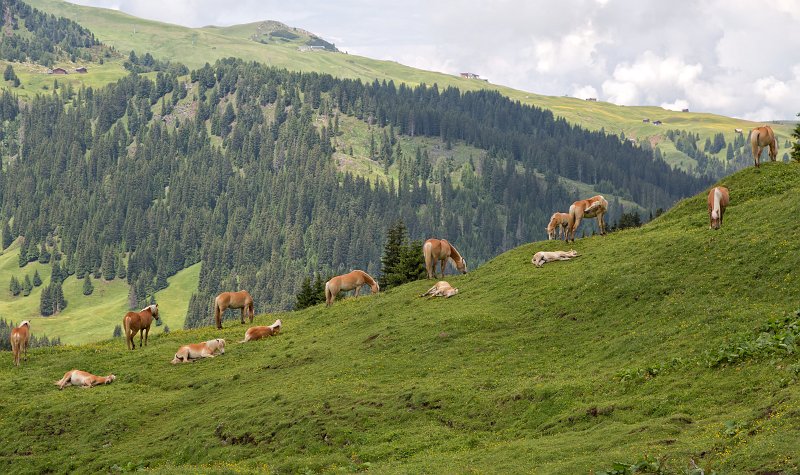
(733, 57)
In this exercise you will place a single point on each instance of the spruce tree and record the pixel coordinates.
(59, 302)
(108, 267)
(37, 279)
(27, 286)
(46, 301)
(319, 289)
(15, 288)
(23, 257)
(305, 296)
(44, 254)
(796, 146)
(122, 270)
(117, 331)
(7, 239)
(88, 288)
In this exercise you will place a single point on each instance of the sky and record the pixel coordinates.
(731, 57)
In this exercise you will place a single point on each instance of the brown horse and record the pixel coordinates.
(761, 137)
(718, 199)
(76, 377)
(20, 337)
(134, 322)
(226, 300)
(257, 333)
(441, 289)
(559, 223)
(353, 280)
(439, 250)
(596, 206)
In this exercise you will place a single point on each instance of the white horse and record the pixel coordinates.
(542, 257)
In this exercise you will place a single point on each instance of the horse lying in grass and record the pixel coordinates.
(441, 289)
(257, 333)
(226, 300)
(83, 379)
(594, 207)
(20, 337)
(140, 322)
(761, 137)
(439, 250)
(353, 280)
(559, 223)
(718, 199)
(542, 257)
(206, 349)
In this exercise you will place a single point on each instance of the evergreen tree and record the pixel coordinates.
(117, 331)
(15, 288)
(7, 238)
(796, 146)
(108, 267)
(27, 286)
(122, 270)
(37, 279)
(44, 254)
(23, 257)
(319, 289)
(46, 301)
(132, 297)
(166, 329)
(305, 298)
(402, 261)
(88, 288)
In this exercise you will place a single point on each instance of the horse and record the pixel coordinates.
(718, 199)
(596, 206)
(77, 377)
(226, 300)
(761, 137)
(542, 257)
(439, 250)
(20, 337)
(139, 322)
(206, 349)
(353, 280)
(441, 289)
(559, 223)
(257, 333)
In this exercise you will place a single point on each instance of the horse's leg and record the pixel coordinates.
(218, 315)
(252, 310)
(574, 227)
(442, 265)
(358, 291)
(146, 334)
(601, 224)
(141, 334)
(244, 310)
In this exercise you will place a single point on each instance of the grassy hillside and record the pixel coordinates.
(651, 343)
(93, 317)
(196, 46)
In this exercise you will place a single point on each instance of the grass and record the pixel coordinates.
(196, 46)
(87, 318)
(521, 372)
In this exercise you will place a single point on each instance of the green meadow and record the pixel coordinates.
(669, 345)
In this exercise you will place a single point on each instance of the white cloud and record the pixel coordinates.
(584, 92)
(710, 54)
(677, 105)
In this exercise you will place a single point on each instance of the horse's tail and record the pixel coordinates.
(126, 325)
(427, 252)
(328, 293)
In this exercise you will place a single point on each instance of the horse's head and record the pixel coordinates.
(24, 323)
(221, 345)
(110, 378)
(154, 311)
(715, 219)
(551, 232)
(462, 266)
(375, 287)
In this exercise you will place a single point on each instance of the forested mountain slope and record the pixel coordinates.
(668, 345)
(233, 169)
(256, 42)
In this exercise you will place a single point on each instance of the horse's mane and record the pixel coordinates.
(368, 278)
(151, 307)
(453, 250)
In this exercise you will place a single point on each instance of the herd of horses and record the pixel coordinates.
(435, 251)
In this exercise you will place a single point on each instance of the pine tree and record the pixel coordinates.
(319, 289)
(122, 270)
(306, 295)
(402, 261)
(27, 286)
(59, 302)
(132, 298)
(117, 331)
(44, 254)
(15, 288)
(88, 288)
(166, 329)
(46, 301)
(23, 257)
(37, 279)
(108, 267)
(7, 239)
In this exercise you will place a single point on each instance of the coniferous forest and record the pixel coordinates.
(232, 166)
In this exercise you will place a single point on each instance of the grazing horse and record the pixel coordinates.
(206, 349)
(596, 206)
(542, 257)
(226, 300)
(439, 250)
(20, 337)
(257, 333)
(350, 281)
(559, 223)
(441, 289)
(718, 199)
(76, 377)
(761, 137)
(134, 322)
